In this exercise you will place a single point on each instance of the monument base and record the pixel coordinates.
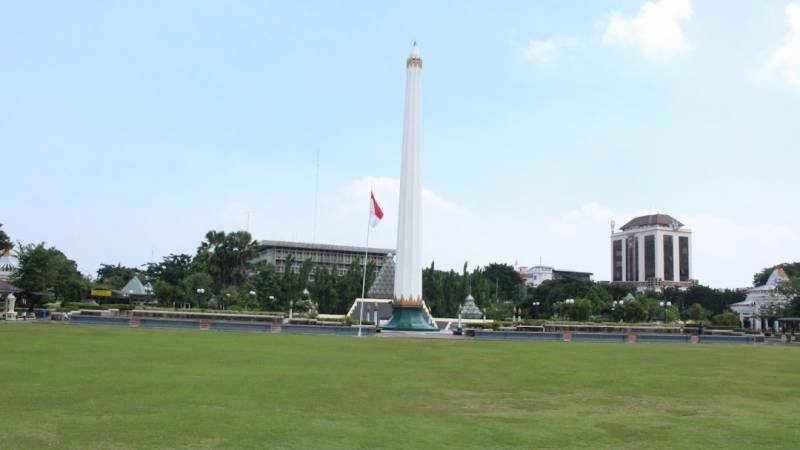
(407, 318)
(11, 315)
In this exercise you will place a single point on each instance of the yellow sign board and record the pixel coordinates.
(101, 293)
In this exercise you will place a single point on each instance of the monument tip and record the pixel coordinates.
(414, 50)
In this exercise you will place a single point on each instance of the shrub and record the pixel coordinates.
(697, 312)
(74, 306)
(727, 318)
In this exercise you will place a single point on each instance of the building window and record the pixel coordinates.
(618, 260)
(669, 266)
(649, 257)
(683, 251)
(632, 258)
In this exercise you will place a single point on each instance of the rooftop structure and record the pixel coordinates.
(536, 275)
(336, 258)
(757, 311)
(8, 265)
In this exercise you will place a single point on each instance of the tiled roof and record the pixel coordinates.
(651, 220)
(7, 287)
(383, 286)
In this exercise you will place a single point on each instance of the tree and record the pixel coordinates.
(226, 257)
(634, 311)
(792, 271)
(791, 290)
(46, 269)
(265, 283)
(505, 282)
(195, 281)
(697, 312)
(172, 269)
(579, 310)
(727, 318)
(323, 291)
(115, 277)
(167, 293)
(5, 242)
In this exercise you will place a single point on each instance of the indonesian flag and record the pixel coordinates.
(375, 211)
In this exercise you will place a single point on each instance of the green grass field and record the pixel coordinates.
(103, 387)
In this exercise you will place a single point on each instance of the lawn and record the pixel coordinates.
(70, 386)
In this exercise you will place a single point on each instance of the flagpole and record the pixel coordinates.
(364, 277)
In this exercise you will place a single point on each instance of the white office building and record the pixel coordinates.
(536, 275)
(652, 252)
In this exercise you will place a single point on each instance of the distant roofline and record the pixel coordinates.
(573, 271)
(651, 220)
(528, 269)
(323, 247)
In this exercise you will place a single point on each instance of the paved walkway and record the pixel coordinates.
(444, 334)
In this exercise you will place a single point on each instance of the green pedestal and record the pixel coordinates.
(409, 319)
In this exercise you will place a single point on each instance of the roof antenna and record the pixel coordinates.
(316, 196)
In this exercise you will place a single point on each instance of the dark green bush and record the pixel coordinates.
(74, 306)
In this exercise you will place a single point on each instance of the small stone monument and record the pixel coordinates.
(470, 309)
(9, 312)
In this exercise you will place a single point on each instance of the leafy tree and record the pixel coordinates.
(727, 318)
(195, 281)
(230, 296)
(172, 269)
(580, 310)
(505, 282)
(792, 271)
(697, 312)
(637, 310)
(5, 242)
(47, 269)
(167, 293)
(226, 256)
(791, 290)
(324, 290)
(115, 277)
(265, 283)
(714, 300)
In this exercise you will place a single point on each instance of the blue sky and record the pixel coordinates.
(128, 129)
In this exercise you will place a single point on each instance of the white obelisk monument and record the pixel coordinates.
(407, 306)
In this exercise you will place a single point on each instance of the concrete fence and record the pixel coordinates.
(327, 330)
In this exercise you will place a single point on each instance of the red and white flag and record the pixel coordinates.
(375, 211)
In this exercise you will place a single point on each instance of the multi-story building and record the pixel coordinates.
(334, 257)
(652, 252)
(536, 275)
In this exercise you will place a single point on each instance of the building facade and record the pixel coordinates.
(337, 258)
(652, 252)
(759, 310)
(536, 275)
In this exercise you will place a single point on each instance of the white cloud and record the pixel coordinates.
(656, 30)
(786, 60)
(541, 51)
(726, 251)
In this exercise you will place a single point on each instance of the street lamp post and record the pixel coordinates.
(535, 306)
(200, 291)
(570, 301)
(665, 305)
(253, 296)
